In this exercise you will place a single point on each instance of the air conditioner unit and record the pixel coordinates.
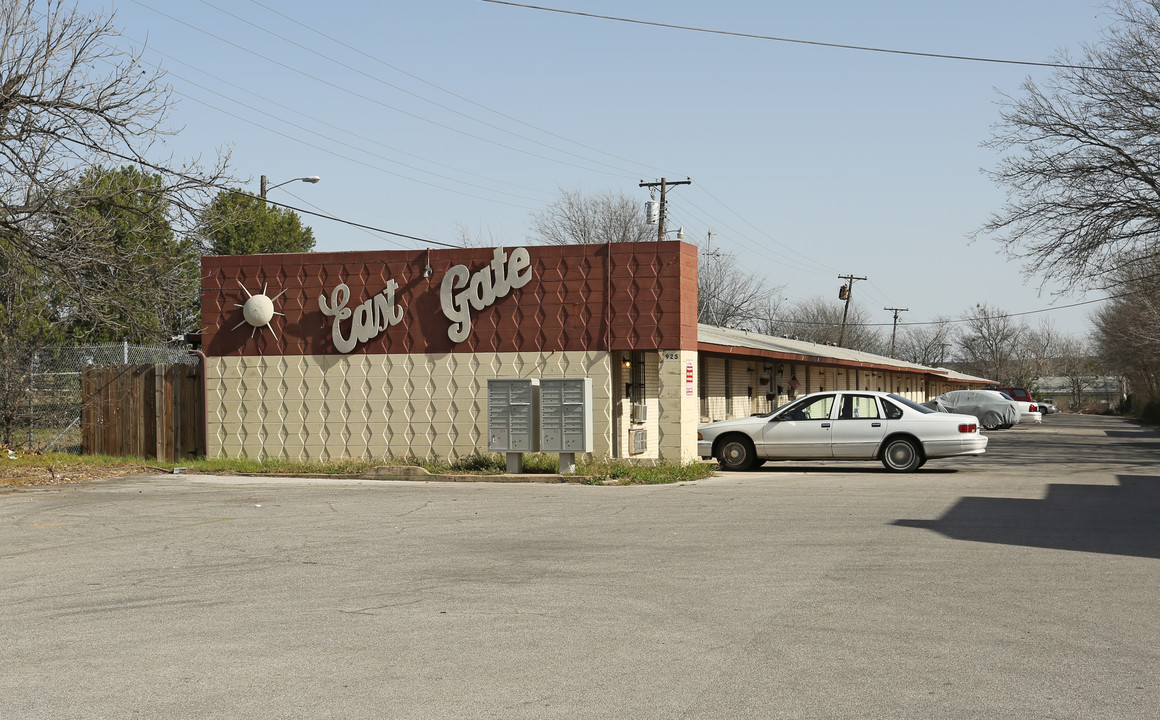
(639, 412)
(638, 440)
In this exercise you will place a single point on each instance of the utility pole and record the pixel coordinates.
(894, 332)
(663, 185)
(711, 303)
(845, 293)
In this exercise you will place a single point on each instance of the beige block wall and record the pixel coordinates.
(678, 405)
(371, 406)
(652, 407)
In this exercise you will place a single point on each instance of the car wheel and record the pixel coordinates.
(901, 455)
(737, 453)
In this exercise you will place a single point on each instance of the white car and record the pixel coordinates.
(843, 425)
(1028, 411)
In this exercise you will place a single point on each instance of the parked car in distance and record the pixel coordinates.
(994, 411)
(1046, 406)
(1028, 410)
(843, 425)
(1020, 394)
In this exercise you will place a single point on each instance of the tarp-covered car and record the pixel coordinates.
(994, 412)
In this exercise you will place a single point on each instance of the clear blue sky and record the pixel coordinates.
(808, 162)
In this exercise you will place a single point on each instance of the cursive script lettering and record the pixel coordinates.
(370, 318)
(463, 290)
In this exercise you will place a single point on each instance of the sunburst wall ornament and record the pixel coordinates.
(258, 310)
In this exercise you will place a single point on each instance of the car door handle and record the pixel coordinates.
(825, 425)
(875, 424)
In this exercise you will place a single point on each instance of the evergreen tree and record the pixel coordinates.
(236, 223)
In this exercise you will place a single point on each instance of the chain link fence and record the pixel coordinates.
(40, 389)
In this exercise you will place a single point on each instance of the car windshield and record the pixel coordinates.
(776, 410)
(910, 404)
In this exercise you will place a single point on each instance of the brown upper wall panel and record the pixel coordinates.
(575, 299)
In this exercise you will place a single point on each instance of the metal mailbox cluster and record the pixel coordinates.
(539, 415)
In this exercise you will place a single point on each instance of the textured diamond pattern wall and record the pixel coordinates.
(323, 407)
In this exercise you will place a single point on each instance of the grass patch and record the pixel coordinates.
(624, 472)
(45, 468)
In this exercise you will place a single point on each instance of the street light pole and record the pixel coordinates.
(264, 189)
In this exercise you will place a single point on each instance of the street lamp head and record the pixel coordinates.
(265, 187)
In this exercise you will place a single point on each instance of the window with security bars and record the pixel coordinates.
(639, 412)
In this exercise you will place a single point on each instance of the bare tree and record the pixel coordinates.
(1084, 156)
(986, 344)
(71, 102)
(1128, 328)
(926, 344)
(1035, 352)
(1075, 362)
(574, 219)
(727, 296)
(820, 320)
(479, 238)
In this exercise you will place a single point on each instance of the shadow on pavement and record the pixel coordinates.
(1042, 446)
(1134, 434)
(825, 466)
(1118, 520)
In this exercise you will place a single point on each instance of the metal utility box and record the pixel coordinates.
(511, 415)
(566, 415)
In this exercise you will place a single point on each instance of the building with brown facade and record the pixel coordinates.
(388, 353)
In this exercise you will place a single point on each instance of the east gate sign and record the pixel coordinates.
(460, 292)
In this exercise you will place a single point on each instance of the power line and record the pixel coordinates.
(363, 230)
(817, 43)
(372, 100)
(767, 236)
(417, 96)
(351, 222)
(1019, 314)
(325, 216)
(170, 171)
(297, 111)
(344, 144)
(354, 160)
(452, 93)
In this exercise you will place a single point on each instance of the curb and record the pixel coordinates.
(414, 473)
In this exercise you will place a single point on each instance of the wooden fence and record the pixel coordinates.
(149, 411)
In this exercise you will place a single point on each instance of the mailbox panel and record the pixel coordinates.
(566, 415)
(511, 415)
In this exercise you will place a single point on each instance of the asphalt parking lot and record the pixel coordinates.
(1021, 583)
